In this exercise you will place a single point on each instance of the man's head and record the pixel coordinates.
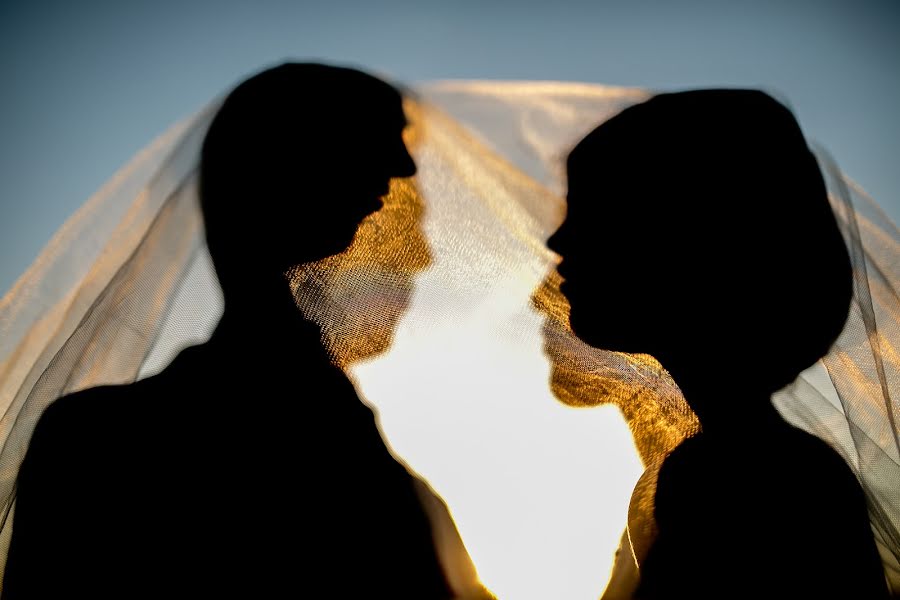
(699, 231)
(297, 156)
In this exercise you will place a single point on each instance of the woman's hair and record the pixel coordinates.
(722, 201)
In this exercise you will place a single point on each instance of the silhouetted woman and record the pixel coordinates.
(699, 231)
(272, 479)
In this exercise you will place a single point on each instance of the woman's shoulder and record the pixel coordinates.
(776, 467)
(816, 469)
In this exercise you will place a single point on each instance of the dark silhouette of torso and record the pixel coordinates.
(775, 513)
(248, 468)
(178, 485)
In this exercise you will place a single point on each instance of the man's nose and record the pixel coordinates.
(406, 166)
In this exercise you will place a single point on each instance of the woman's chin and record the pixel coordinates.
(585, 329)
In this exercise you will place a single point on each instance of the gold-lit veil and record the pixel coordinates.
(447, 315)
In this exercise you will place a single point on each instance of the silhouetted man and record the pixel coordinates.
(249, 468)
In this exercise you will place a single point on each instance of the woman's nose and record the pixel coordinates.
(554, 242)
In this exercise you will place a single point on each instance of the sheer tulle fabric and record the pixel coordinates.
(447, 314)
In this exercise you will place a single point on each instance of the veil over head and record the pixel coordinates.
(447, 314)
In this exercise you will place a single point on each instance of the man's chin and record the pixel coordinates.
(337, 244)
(597, 331)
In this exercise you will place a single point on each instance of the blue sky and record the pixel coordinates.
(87, 84)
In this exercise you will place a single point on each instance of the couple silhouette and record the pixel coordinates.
(294, 161)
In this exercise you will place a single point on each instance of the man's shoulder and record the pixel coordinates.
(89, 405)
(80, 421)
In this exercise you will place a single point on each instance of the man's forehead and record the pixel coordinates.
(388, 112)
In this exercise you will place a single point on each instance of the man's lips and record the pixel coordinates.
(371, 207)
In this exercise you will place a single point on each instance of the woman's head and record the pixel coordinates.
(699, 231)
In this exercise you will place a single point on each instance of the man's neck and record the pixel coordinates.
(263, 310)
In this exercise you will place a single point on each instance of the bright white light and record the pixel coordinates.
(539, 491)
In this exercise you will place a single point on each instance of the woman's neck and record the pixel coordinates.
(725, 404)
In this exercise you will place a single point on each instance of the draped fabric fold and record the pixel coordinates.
(447, 314)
